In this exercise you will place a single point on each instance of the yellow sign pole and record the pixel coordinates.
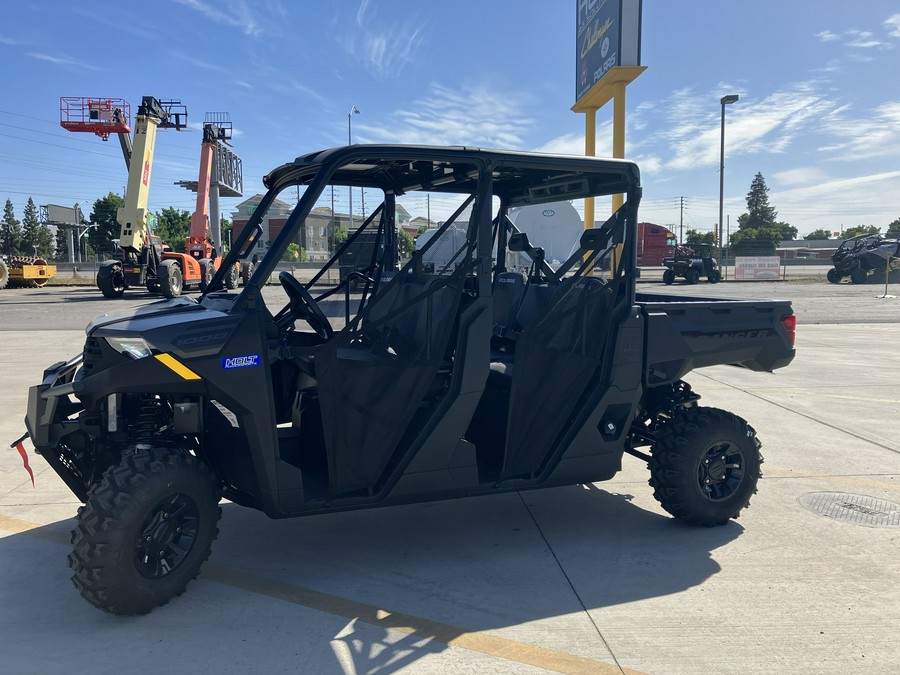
(590, 150)
(611, 86)
(618, 132)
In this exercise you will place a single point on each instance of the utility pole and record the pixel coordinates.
(681, 224)
(428, 205)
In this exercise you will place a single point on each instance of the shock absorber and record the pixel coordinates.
(146, 423)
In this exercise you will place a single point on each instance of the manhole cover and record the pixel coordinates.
(856, 509)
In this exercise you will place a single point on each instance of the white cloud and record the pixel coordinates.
(385, 47)
(62, 60)
(567, 144)
(752, 125)
(892, 25)
(801, 176)
(858, 39)
(474, 115)
(875, 135)
(253, 18)
(8, 41)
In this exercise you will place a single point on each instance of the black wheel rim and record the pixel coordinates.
(166, 536)
(720, 472)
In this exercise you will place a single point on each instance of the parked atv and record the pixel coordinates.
(862, 256)
(691, 265)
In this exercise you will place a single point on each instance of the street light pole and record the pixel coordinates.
(353, 111)
(726, 100)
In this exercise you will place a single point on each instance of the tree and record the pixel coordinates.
(173, 226)
(819, 234)
(407, 243)
(295, 253)
(225, 226)
(787, 231)
(103, 215)
(62, 244)
(340, 235)
(36, 237)
(860, 229)
(10, 232)
(759, 214)
(893, 230)
(695, 238)
(755, 241)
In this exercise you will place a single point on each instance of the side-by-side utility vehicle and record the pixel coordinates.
(864, 256)
(400, 383)
(691, 264)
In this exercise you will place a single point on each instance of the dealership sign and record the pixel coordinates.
(608, 34)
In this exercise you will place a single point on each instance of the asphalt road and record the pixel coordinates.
(814, 302)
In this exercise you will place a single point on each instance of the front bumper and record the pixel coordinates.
(49, 407)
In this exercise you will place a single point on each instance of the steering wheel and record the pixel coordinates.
(302, 306)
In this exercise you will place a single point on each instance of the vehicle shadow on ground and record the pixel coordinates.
(389, 586)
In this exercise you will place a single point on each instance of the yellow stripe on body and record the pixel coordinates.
(177, 366)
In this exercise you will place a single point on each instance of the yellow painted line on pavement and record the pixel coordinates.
(484, 643)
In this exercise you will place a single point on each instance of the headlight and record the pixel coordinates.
(135, 347)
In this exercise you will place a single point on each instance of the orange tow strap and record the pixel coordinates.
(24, 455)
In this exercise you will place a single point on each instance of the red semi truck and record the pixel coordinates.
(654, 242)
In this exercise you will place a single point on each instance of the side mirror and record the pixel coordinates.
(518, 242)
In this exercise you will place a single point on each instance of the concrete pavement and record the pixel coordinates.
(583, 579)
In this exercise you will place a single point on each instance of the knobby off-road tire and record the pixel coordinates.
(111, 281)
(705, 466)
(714, 277)
(147, 527)
(833, 276)
(692, 276)
(858, 276)
(668, 277)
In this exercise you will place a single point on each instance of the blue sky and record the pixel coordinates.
(819, 109)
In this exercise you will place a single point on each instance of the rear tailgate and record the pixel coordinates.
(687, 333)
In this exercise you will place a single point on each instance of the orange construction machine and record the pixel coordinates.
(220, 170)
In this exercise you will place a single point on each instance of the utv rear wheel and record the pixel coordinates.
(111, 281)
(668, 277)
(171, 281)
(146, 529)
(833, 276)
(705, 466)
(858, 276)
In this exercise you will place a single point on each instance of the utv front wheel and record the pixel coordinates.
(668, 277)
(145, 530)
(705, 466)
(833, 276)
